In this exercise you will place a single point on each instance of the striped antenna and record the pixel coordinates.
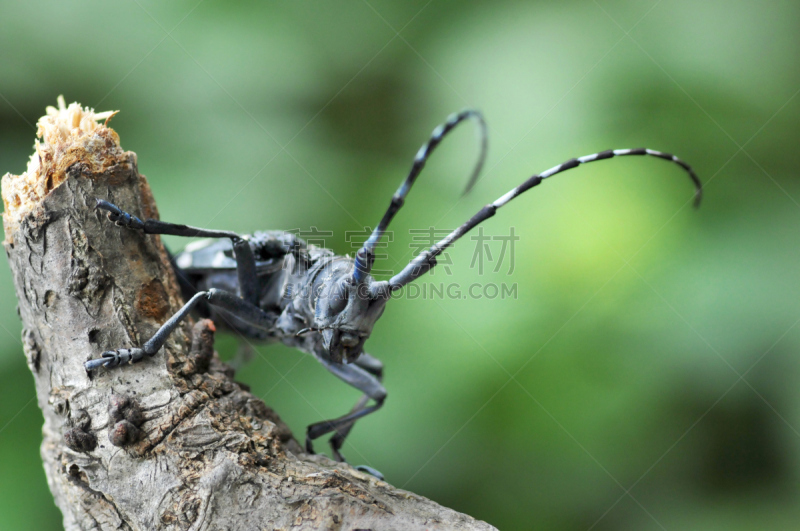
(426, 260)
(366, 255)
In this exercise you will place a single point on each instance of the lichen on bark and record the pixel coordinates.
(172, 442)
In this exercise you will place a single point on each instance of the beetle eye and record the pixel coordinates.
(337, 299)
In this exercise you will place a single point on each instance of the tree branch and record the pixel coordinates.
(172, 442)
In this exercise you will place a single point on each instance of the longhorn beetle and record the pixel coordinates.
(272, 286)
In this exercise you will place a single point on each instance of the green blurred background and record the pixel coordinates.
(646, 375)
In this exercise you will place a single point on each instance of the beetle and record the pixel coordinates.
(273, 286)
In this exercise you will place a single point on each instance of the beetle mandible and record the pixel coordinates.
(272, 286)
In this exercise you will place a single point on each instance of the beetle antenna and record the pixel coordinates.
(426, 260)
(366, 255)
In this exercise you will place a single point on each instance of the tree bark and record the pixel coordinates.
(172, 442)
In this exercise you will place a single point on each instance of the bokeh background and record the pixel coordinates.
(646, 375)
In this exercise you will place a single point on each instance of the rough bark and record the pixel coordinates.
(172, 442)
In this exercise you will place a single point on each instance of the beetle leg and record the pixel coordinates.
(375, 367)
(236, 306)
(362, 380)
(245, 260)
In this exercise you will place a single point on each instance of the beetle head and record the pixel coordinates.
(345, 311)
